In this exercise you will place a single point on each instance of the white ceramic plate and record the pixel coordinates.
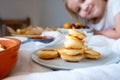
(65, 31)
(59, 64)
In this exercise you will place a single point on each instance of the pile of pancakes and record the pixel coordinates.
(73, 51)
(30, 30)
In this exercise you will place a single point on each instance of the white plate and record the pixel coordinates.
(22, 39)
(60, 64)
(65, 31)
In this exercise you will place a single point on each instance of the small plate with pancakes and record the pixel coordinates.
(74, 54)
(60, 64)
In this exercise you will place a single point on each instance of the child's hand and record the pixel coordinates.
(96, 32)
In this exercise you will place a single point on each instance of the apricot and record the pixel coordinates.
(67, 25)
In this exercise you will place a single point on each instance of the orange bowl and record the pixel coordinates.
(9, 56)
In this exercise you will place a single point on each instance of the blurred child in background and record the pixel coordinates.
(101, 15)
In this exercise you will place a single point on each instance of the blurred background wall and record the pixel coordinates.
(46, 13)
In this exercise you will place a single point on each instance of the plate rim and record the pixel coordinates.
(54, 67)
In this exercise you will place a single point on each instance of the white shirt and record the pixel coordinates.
(107, 22)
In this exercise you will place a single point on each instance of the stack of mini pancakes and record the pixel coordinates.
(74, 48)
(73, 51)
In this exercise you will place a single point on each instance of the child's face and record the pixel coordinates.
(88, 9)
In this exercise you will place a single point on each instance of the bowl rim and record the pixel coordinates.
(6, 38)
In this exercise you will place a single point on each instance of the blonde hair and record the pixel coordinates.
(73, 15)
(76, 17)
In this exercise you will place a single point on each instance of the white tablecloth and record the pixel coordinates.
(26, 69)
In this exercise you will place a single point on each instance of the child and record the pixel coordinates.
(102, 15)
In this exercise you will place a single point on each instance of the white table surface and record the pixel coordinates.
(25, 65)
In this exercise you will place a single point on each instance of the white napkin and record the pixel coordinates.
(109, 72)
(99, 41)
(116, 47)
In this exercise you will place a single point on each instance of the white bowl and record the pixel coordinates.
(85, 31)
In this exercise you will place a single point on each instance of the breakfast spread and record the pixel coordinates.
(74, 48)
(30, 30)
(76, 25)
